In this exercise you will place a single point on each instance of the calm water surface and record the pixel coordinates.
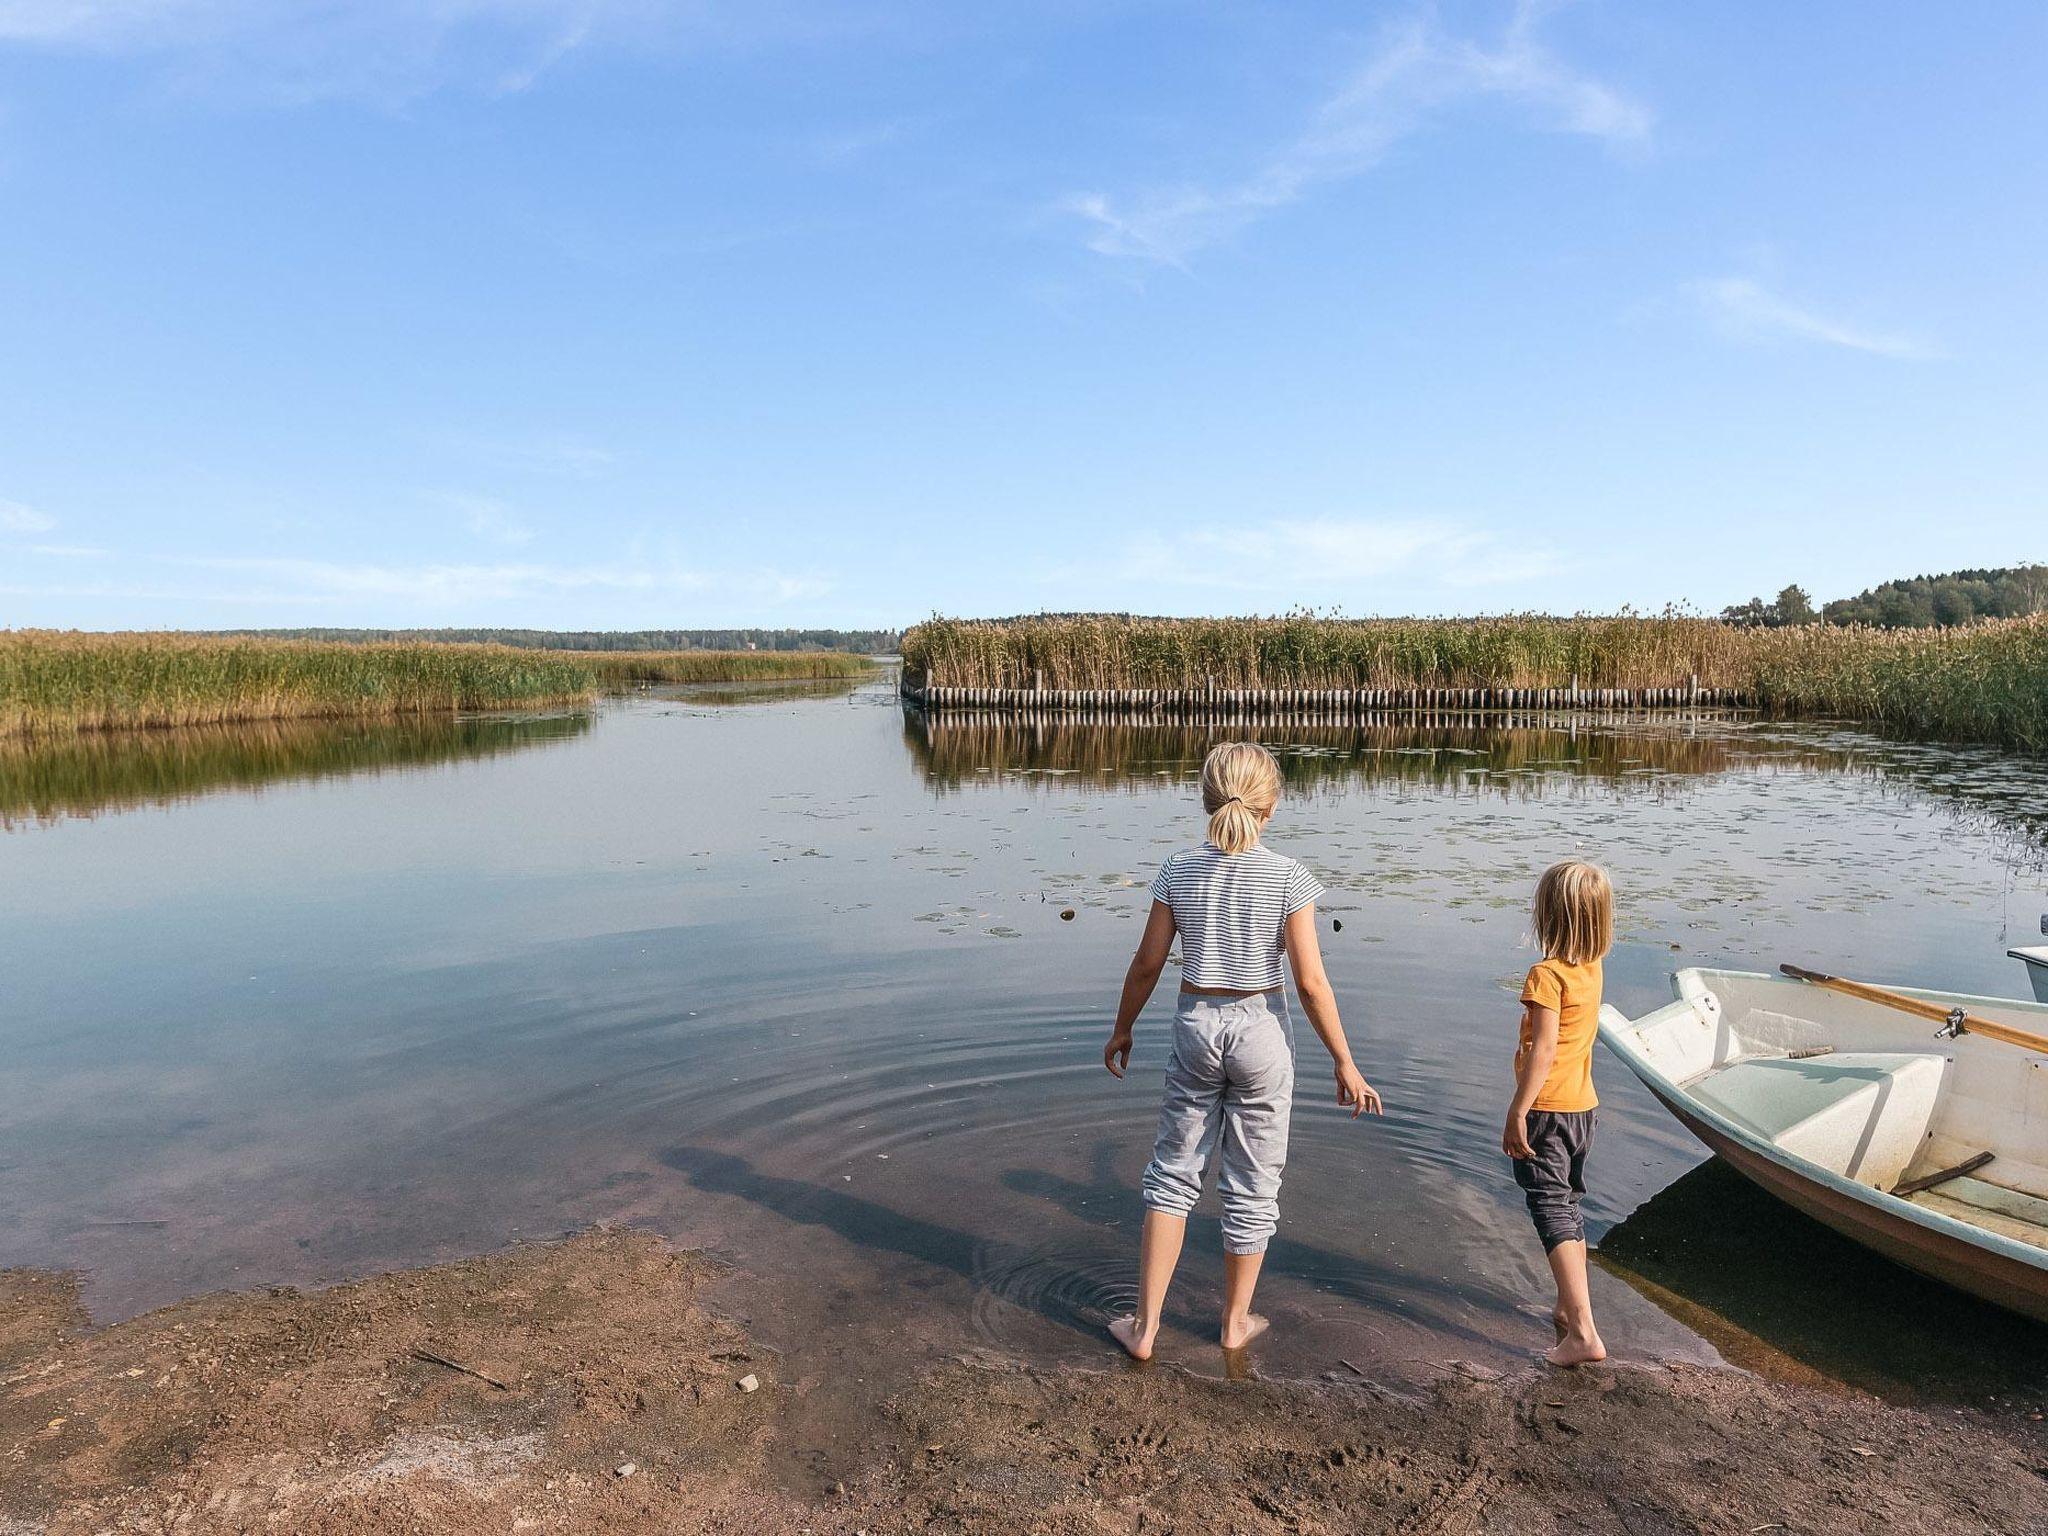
(783, 972)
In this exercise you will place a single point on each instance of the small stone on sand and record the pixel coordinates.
(750, 1383)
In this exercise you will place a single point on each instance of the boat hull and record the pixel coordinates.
(1993, 1276)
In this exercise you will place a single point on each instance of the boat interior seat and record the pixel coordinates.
(1860, 1114)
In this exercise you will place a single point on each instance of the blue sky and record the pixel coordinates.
(614, 313)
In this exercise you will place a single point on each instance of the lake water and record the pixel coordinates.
(783, 972)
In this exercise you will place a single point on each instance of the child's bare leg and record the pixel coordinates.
(1578, 1340)
(1158, 1252)
(1240, 1278)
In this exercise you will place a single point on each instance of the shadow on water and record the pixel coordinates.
(1072, 1290)
(81, 775)
(866, 1224)
(1780, 1294)
(1347, 1277)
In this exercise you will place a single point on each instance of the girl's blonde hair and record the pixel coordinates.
(1574, 912)
(1240, 787)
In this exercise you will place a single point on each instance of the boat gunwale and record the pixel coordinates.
(1881, 1202)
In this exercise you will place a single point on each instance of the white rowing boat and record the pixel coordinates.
(1863, 1117)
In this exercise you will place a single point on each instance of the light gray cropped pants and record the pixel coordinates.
(1232, 1070)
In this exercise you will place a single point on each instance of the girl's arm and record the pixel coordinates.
(1139, 981)
(1305, 956)
(1529, 1076)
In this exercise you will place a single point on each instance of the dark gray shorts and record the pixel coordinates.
(1554, 1180)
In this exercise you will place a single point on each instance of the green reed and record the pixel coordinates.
(54, 680)
(1986, 681)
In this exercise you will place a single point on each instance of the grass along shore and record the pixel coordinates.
(61, 680)
(1985, 682)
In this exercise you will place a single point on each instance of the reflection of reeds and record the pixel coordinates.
(1986, 681)
(1470, 752)
(62, 681)
(1480, 755)
(78, 774)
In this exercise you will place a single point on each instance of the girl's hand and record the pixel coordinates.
(1117, 1054)
(1354, 1090)
(1514, 1137)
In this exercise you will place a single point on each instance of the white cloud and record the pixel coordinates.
(1743, 307)
(17, 518)
(489, 518)
(1416, 74)
(454, 585)
(391, 52)
(1297, 560)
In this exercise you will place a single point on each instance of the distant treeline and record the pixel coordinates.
(1918, 602)
(867, 642)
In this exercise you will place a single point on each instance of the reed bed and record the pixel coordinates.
(622, 667)
(1986, 681)
(53, 681)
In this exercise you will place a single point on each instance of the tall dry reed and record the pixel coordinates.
(1986, 681)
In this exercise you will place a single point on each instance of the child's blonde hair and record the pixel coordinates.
(1240, 787)
(1574, 912)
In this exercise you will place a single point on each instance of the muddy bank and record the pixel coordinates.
(319, 1412)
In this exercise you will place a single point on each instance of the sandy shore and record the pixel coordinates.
(614, 1403)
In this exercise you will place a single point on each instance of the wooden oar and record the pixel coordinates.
(1953, 1021)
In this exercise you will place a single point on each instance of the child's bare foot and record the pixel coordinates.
(1575, 1349)
(1135, 1341)
(1238, 1334)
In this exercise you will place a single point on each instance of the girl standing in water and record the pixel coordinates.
(1238, 907)
(1549, 1127)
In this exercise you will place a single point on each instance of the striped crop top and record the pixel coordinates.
(1231, 910)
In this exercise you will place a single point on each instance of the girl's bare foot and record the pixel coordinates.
(1137, 1344)
(1575, 1350)
(1238, 1334)
(1561, 1323)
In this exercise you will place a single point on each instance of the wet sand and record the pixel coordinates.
(320, 1412)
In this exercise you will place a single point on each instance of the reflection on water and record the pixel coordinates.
(749, 965)
(1778, 1292)
(48, 778)
(1472, 754)
(1466, 754)
(760, 690)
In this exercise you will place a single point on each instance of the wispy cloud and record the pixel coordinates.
(857, 141)
(17, 518)
(1417, 74)
(1320, 559)
(489, 518)
(457, 584)
(387, 51)
(1744, 307)
(392, 52)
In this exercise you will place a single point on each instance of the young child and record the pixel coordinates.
(1549, 1128)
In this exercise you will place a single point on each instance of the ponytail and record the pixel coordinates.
(1240, 787)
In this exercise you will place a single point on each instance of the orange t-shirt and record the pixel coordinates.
(1574, 992)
